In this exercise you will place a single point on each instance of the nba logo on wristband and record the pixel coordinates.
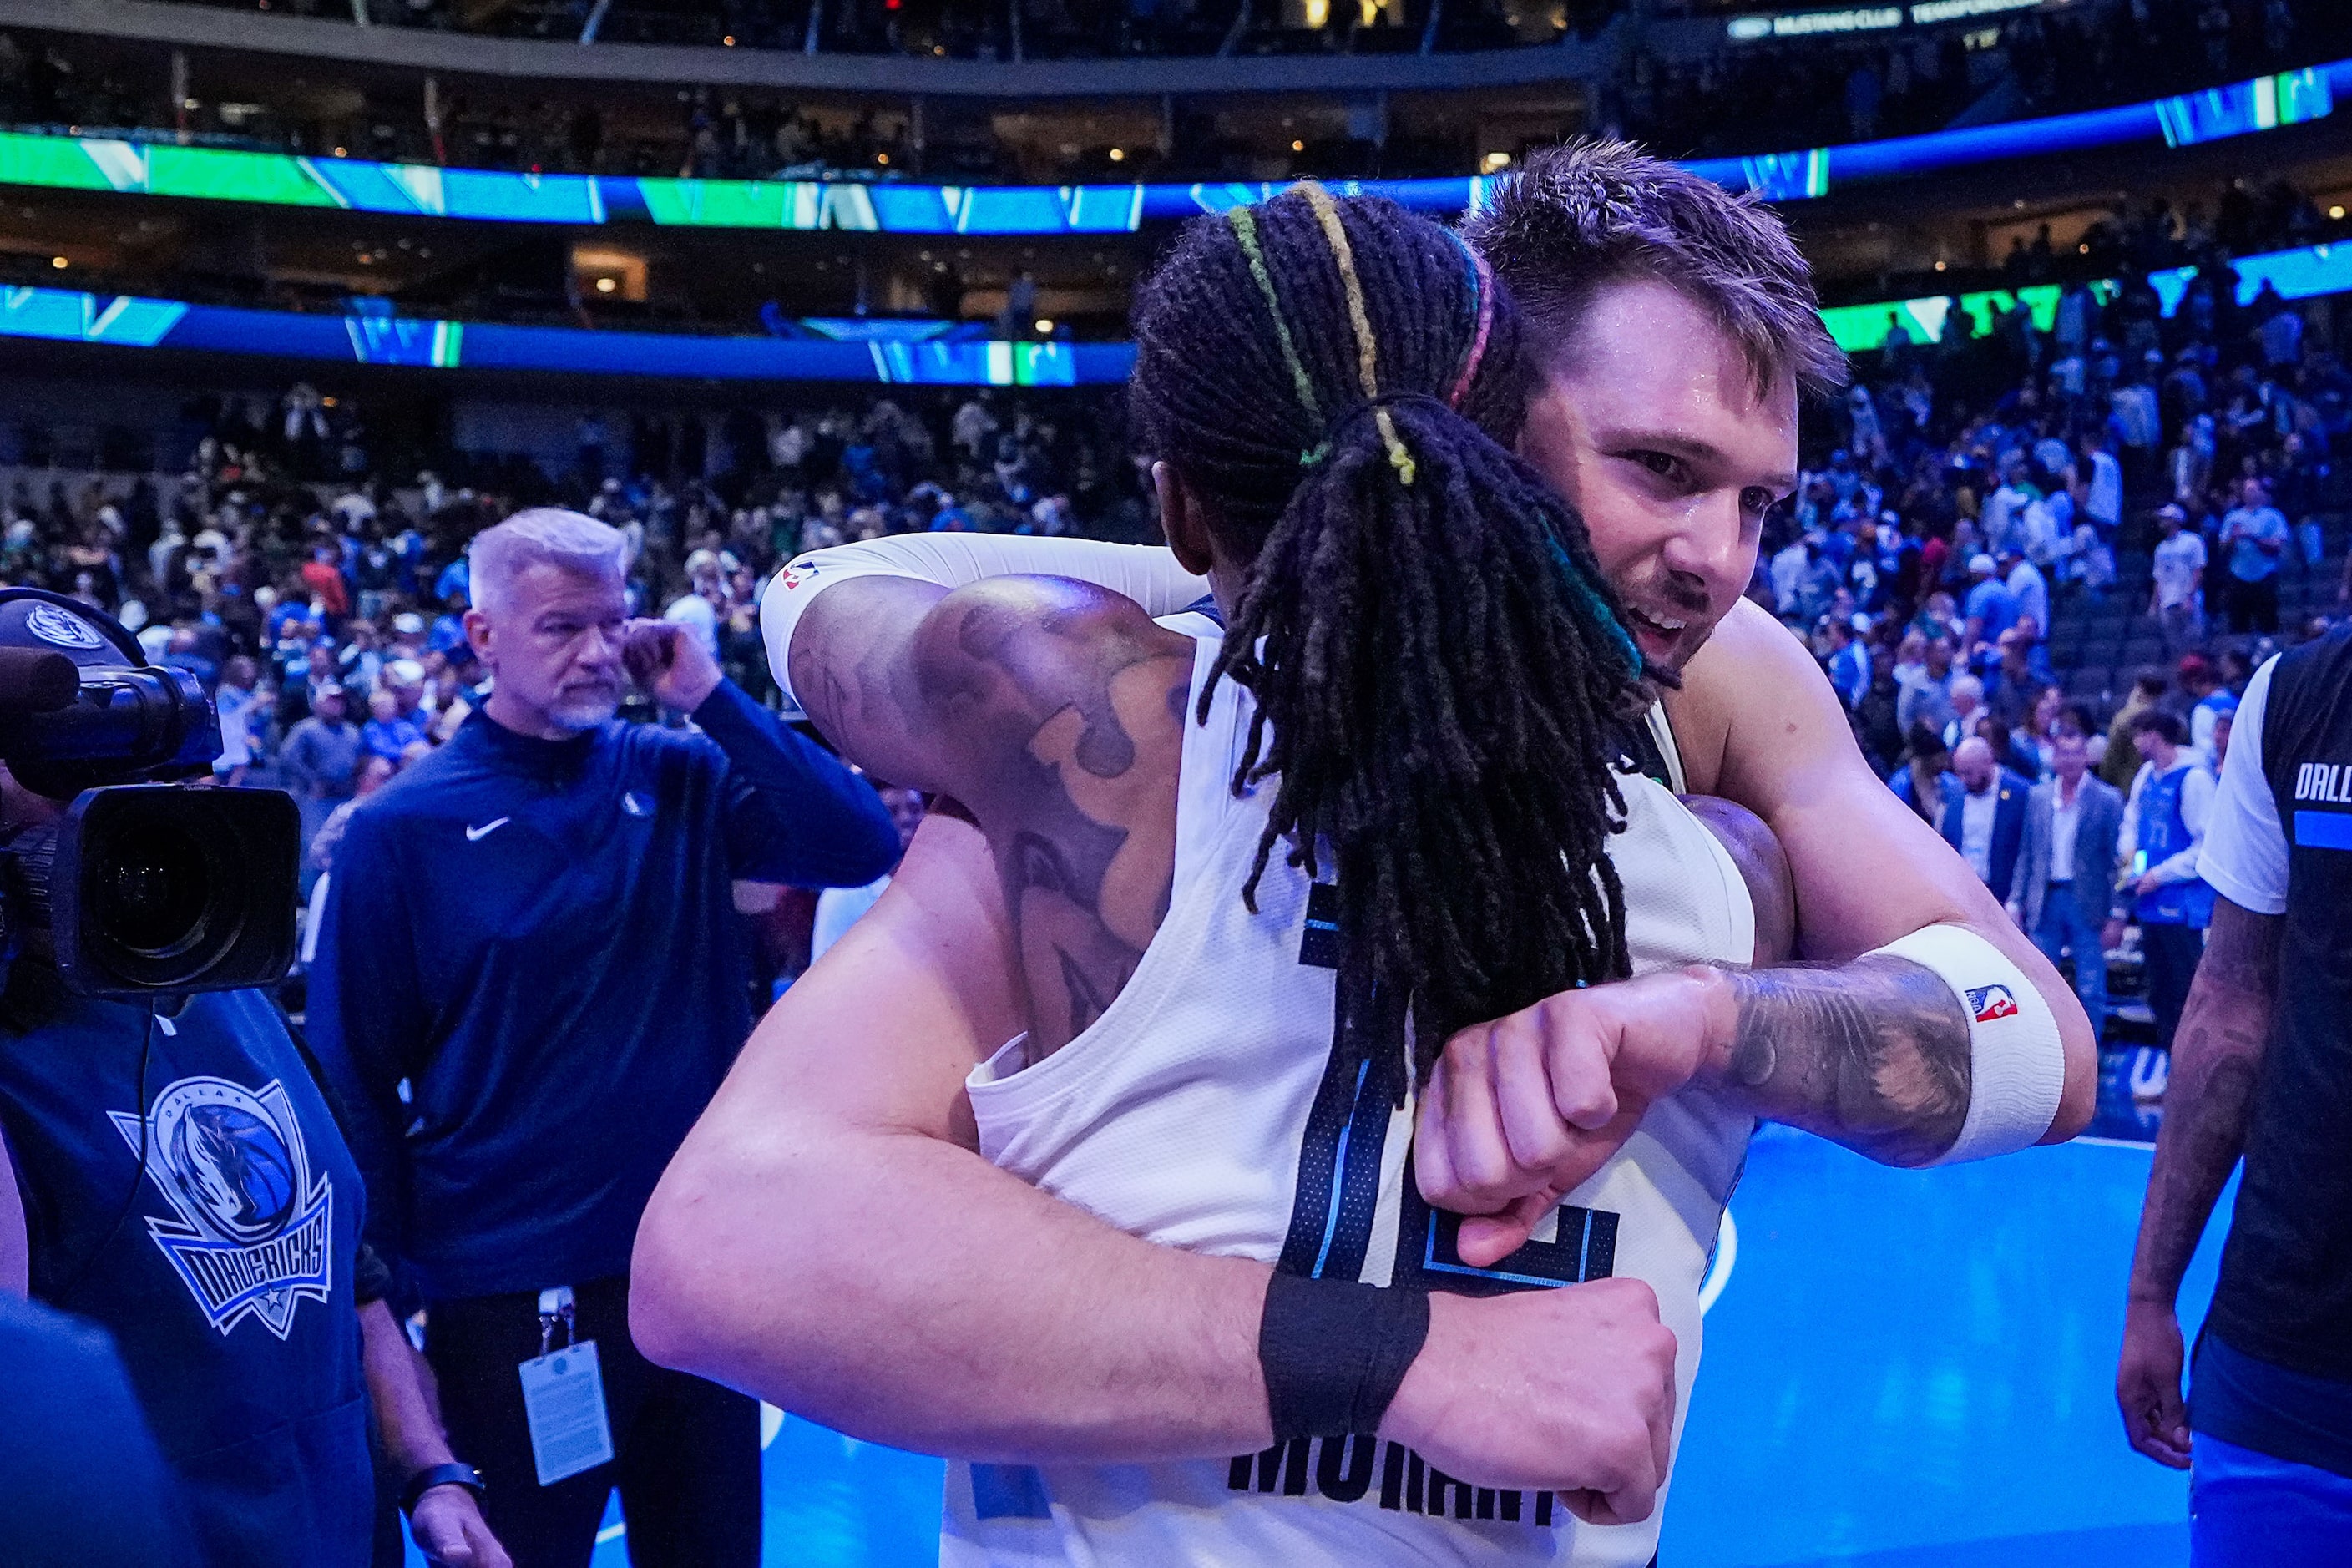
(1987, 1003)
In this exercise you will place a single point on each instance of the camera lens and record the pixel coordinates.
(155, 890)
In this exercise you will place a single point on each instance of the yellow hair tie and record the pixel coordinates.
(1359, 322)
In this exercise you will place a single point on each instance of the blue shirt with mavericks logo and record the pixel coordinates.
(2275, 1370)
(2164, 833)
(224, 1273)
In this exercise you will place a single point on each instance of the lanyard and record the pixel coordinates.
(554, 1305)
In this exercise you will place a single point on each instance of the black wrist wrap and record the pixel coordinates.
(1334, 1353)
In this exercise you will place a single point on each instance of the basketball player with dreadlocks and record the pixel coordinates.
(1439, 795)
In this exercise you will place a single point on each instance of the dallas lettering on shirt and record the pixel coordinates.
(2329, 782)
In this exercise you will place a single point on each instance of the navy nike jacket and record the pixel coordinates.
(534, 942)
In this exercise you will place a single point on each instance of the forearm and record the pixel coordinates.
(794, 814)
(1873, 1054)
(412, 1439)
(911, 1294)
(2217, 1056)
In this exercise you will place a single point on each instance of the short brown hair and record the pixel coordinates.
(1587, 213)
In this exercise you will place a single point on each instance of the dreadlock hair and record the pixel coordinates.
(1589, 212)
(1437, 663)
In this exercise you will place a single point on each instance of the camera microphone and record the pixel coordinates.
(37, 681)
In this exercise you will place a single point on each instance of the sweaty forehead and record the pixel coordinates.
(1644, 359)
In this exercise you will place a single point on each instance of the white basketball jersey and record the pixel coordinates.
(1206, 1110)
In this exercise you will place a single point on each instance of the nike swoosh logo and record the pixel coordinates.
(632, 806)
(476, 835)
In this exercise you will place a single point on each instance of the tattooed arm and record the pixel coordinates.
(1053, 711)
(2217, 1057)
(1757, 723)
(1873, 1055)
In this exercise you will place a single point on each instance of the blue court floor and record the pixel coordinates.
(1902, 1370)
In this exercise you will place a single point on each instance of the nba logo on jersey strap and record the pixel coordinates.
(796, 575)
(1990, 1002)
(253, 1231)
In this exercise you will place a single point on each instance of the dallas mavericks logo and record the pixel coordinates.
(253, 1230)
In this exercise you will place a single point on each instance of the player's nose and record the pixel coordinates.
(1710, 545)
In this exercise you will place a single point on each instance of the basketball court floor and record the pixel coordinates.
(1902, 1370)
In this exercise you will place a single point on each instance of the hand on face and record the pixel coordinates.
(670, 663)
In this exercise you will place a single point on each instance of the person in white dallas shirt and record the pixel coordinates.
(2177, 602)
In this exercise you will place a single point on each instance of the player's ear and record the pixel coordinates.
(1182, 520)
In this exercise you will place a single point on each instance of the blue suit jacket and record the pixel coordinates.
(2008, 826)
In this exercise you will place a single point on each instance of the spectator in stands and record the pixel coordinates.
(236, 705)
(698, 608)
(2177, 600)
(2014, 685)
(1919, 784)
(320, 761)
(1875, 725)
(388, 733)
(2122, 760)
(1968, 707)
(2163, 830)
(2064, 896)
(2029, 590)
(2254, 534)
(837, 908)
(1847, 659)
(1990, 608)
(2216, 701)
(2193, 681)
(1927, 696)
(1984, 815)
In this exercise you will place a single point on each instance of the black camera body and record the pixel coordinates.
(139, 887)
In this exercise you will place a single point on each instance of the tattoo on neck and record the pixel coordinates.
(1873, 1054)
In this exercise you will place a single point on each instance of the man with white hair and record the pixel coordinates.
(529, 983)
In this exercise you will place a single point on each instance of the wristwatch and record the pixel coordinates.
(450, 1475)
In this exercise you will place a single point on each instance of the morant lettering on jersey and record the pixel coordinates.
(1207, 1109)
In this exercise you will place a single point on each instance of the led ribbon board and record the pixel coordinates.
(920, 353)
(489, 195)
(927, 356)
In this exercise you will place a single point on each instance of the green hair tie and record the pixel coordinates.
(1246, 231)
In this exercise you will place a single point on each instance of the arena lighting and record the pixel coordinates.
(923, 355)
(1930, 12)
(1857, 19)
(882, 350)
(279, 179)
(1865, 18)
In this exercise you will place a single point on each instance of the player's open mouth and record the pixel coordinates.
(1656, 631)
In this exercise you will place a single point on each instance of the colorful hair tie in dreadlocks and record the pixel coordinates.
(1244, 226)
(1359, 324)
(1482, 305)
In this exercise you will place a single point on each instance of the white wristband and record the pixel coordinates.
(2017, 1064)
(1146, 573)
